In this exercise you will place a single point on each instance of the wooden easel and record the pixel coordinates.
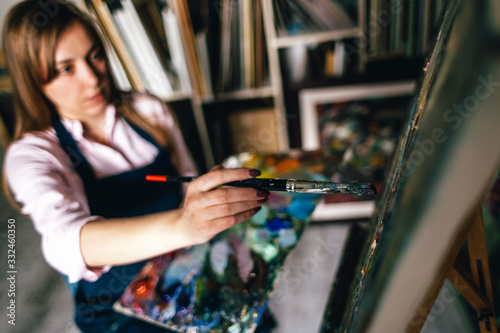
(470, 274)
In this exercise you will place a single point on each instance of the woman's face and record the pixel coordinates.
(81, 87)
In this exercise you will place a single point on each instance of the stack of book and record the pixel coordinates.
(401, 27)
(308, 16)
(169, 47)
(243, 54)
(138, 47)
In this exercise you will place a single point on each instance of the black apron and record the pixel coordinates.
(122, 195)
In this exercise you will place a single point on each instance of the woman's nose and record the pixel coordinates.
(90, 75)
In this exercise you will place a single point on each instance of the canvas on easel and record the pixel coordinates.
(446, 159)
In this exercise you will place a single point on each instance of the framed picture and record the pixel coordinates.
(335, 117)
(363, 122)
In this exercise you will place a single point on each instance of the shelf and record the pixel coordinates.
(265, 92)
(208, 50)
(5, 85)
(315, 38)
(352, 210)
(177, 96)
(385, 56)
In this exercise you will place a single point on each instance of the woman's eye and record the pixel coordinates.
(96, 55)
(66, 70)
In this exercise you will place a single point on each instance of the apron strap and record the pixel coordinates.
(78, 161)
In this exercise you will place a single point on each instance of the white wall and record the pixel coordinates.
(5, 5)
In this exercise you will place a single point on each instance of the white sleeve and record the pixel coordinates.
(52, 195)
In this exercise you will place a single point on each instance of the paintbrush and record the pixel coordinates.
(287, 185)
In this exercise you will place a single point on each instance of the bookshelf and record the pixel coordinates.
(277, 41)
(6, 117)
(215, 58)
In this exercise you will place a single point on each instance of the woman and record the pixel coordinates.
(78, 163)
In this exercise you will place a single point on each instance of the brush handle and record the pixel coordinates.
(286, 185)
(163, 179)
(270, 184)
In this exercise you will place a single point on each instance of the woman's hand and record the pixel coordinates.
(208, 210)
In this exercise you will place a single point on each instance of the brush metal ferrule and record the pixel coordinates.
(311, 186)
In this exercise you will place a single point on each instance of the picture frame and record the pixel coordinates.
(314, 102)
(363, 121)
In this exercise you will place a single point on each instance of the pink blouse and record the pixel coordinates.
(41, 179)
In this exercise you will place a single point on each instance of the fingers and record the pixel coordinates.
(231, 209)
(202, 224)
(226, 222)
(219, 176)
(228, 195)
(209, 210)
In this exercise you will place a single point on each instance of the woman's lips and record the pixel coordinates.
(96, 98)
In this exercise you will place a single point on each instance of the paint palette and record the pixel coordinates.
(224, 285)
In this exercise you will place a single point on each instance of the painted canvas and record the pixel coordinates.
(445, 161)
(224, 285)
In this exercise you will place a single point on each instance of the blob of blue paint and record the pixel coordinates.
(300, 209)
(277, 224)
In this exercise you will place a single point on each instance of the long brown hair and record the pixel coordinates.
(29, 36)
